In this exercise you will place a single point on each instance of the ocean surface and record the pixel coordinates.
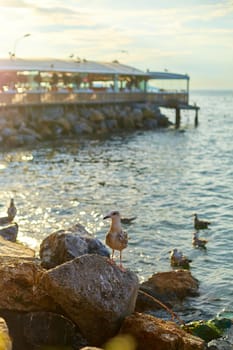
(162, 177)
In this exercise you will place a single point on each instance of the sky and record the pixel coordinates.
(181, 36)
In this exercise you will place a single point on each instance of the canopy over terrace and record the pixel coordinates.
(81, 66)
(181, 81)
(88, 71)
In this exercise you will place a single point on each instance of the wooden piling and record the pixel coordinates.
(178, 117)
(196, 118)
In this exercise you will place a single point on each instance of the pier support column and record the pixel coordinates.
(178, 117)
(115, 87)
(196, 118)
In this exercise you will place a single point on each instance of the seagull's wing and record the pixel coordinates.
(123, 237)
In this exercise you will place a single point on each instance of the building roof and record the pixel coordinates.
(167, 75)
(56, 65)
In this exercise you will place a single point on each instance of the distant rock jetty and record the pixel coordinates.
(27, 125)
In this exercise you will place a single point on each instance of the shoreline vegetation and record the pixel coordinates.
(33, 125)
(71, 296)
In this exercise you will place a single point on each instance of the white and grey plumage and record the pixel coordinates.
(177, 259)
(11, 211)
(200, 224)
(116, 238)
(198, 242)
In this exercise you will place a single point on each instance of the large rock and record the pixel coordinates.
(36, 330)
(65, 245)
(153, 333)
(19, 288)
(96, 115)
(4, 220)
(10, 232)
(14, 250)
(220, 344)
(46, 328)
(168, 287)
(20, 273)
(95, 294)
(210, 329)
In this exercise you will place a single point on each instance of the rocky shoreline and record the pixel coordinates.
(72, 296)
(27, 125)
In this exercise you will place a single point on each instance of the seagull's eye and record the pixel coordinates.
(115, 213)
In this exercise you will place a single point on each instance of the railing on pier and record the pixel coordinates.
(166, 99)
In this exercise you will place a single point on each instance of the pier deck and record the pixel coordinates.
(174, 100)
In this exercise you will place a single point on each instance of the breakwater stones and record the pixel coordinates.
(30, 124)
(74, 296)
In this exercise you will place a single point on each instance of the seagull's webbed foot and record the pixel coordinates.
(122, 268)
(111, 261)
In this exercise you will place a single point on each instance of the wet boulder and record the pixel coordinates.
(36, 330)
(150, 332)
(163, 121)
(220, 344)
(96, 116)
(51, 329)
(10, 232)
(4, 220)
(10, 250)
(95, 294)
(210, 329)
(20, 273)
(168, 287)
(65, 245)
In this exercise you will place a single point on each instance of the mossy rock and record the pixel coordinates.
(208, 330)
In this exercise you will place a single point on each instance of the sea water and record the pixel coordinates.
(162, 177)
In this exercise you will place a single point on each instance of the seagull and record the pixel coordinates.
(198, 242)
(200, 224)
(11, 211)
(177, 259)
(116, 238)
(128, 221)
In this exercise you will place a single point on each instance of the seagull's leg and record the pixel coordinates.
(111, 260)
(121, 266)
(113, 254)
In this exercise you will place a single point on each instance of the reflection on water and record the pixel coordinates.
(161, 177)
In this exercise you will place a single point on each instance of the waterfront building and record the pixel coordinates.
(52, 81)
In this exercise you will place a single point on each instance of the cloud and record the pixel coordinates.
(172, 33)
(13, 3)
(48, 11)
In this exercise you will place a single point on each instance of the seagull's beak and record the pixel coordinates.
(106, 217)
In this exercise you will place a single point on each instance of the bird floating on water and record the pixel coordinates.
(200, 224)
(116, 238)
(11, 211)
(198, 242)
(128, 221)
(177, 259)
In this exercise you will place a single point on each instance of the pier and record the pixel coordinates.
(30, 83)
(186, 107)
